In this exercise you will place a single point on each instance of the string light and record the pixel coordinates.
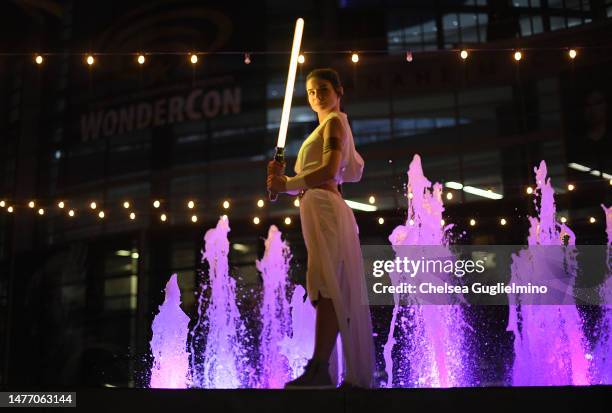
(442, 222)
(354, 57)
(190, 204)
(529, 190)
(410, 195)
(141, 59)
(31, 204)
(256, 220)
(90, 60)
(38, 59)
(10, 209)
(296, 203)
(381, 220)
(193, 58)
(472, 222)
(563, 220)
(41, 211)
(101, 214)
(301, 59)
(247, 59)
(287, 221)
(411, 222)
(503, 221)
(409, 56)
(464, 54)
(61, 205)
(126, 204)
(71, 213)
(156, 204)
(571, 187)
(592, 220)
(572, 53)
(93, 205)
(163, 217)
(260, 203)
(226, 204)
(224, 217)
(2, 204)
(132, 216)
(449, 195)
(371, 199)
(194, 218)
(518, 56)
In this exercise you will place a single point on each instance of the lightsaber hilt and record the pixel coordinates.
(279, 156)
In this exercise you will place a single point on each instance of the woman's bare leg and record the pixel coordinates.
(326, 330)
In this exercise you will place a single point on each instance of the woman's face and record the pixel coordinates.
(321, 95)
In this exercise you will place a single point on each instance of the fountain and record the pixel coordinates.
(224, 362)
(170, 329)
(549, 344)
(425, 342)
(274, 268)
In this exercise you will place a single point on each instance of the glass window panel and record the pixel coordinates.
(450, 22)
(525, 26)
(574, 21)
(538, 26)
(557, 23)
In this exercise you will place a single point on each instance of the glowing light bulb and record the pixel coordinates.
(371, 199)
(410, 195)
(101, 214)
(442, 222)
(355, 57)
(10, 209)
(61, 204)
(90, 60)
(31, 204)
(71, 213)
(301, 59)
(449, 195)
(571, 187)
(224, 217)
(563, 220)
(2, 204)
(93, 205)
(529, 190)
(592, 220)
(287, 221)
(260, 203)
(190, 204)
(572, 53)
(141, 59)
(464, 54)
(39, 59)
(409, 56)
(503, 221)
(193, 58)
(472, 222)
(296, 203)
(41, 211)
(518, 56)
(411, 222)
(247, 59)
(381, 221)
(126, 204)
(132, 216)
(226, 204)
(163, 217)
(256, 220)
(194, 218)
(156, 204)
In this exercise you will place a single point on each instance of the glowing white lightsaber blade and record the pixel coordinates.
(282, 131)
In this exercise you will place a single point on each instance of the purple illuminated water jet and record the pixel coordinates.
(169, 343)
(549, 343)
(425, 343)
(274, 268)
(225, 362)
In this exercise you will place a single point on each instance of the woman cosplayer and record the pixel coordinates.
(335, 277)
